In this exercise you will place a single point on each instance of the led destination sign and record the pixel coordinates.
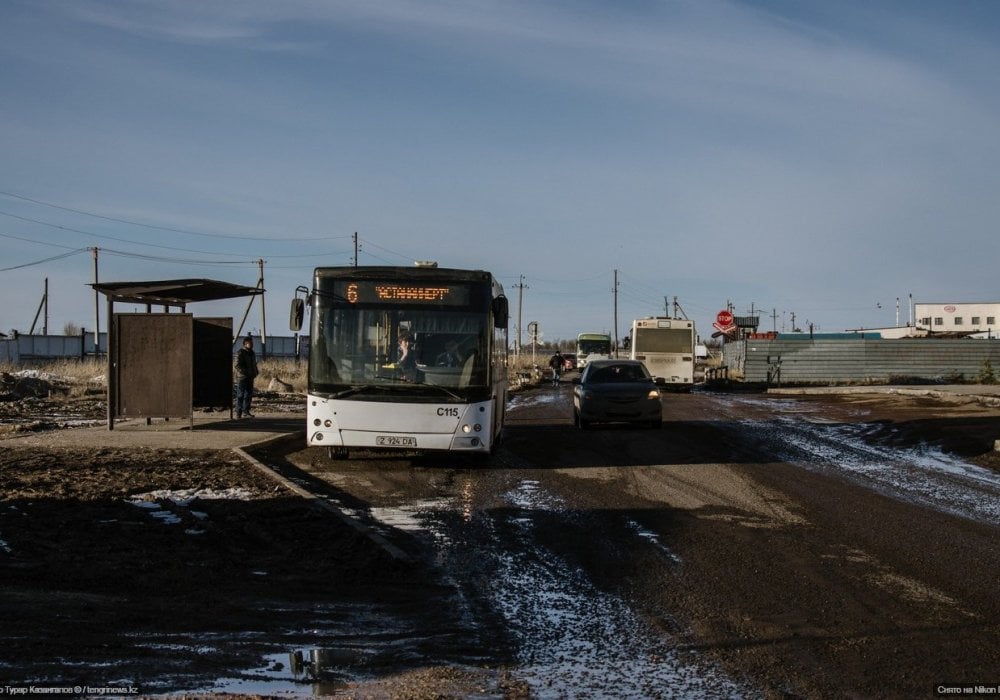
(403, 293)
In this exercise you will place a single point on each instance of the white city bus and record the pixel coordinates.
(666, 347)
(592, 346)
(361, 396)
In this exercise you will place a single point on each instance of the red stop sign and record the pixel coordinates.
(724, 318)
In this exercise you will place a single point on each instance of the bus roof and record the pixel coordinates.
(401, 272)
(594, 336)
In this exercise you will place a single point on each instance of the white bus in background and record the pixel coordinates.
(666, 347)
(448, 394)
(592, 346)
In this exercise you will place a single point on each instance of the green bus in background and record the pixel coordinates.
(592, 346)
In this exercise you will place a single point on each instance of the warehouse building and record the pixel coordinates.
(959, 318)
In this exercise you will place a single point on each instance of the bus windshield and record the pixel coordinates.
(374, 349)
(662, 340)
(599, 346)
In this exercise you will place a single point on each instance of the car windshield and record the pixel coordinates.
(617, 373)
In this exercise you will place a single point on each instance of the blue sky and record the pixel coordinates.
(810, 158)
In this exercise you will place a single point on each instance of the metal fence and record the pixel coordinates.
(28, 348)
(32, 348)
(825, 361)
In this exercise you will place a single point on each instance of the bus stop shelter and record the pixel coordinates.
(162, 365)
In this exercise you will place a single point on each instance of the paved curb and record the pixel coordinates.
(389, 548)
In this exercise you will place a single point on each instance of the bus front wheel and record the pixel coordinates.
(337, 452)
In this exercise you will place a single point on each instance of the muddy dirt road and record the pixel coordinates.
(753, 547)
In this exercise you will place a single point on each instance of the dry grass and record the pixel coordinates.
(284, 369)
(88, 371)
(81, 375)
(76, 377)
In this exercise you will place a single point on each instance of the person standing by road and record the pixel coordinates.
(556, 363)
(246, 371)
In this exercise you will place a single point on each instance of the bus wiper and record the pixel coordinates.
(382, 388)
(355, 390)
(450, 393)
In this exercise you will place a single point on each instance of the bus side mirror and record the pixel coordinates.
(296, 314)
(500, 312)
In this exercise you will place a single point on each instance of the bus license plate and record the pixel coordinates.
(395, 441)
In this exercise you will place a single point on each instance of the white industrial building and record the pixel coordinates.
(973, 319)
(958, 318)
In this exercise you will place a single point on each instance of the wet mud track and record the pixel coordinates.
(752, 547)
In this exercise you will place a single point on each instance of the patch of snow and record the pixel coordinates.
(184, 497)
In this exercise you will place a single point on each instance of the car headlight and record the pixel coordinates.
(653, 394)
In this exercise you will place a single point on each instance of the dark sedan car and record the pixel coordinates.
(615, 391)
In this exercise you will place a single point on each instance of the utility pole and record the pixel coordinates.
(774, 320)
(615, 291)
(97, 316)
(44, 304)
(263, 317)
(666, 305)
(521, 286)
(355, 249)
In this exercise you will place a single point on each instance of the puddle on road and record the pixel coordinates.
(310, 672)
(346, 644)
(534, 398)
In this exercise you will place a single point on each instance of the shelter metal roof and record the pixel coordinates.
(174, 292)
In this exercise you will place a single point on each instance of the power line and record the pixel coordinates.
(160, 228)
(39, 262)
(392, 252)
(164, 259)
(30, 240)
(133, 242)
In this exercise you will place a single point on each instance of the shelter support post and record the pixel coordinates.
(112, 384)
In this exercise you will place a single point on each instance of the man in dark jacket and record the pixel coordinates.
(246, 371)
(556, 363)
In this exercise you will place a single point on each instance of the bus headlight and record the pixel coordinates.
(477, 427)
(327, 423)
(466, 428)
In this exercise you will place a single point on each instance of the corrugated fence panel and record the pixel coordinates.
(27, 348)
(8, 351)
(55, 346)
(841, 361)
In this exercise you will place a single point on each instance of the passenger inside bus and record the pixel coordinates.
(451, 357)
(407, 362)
